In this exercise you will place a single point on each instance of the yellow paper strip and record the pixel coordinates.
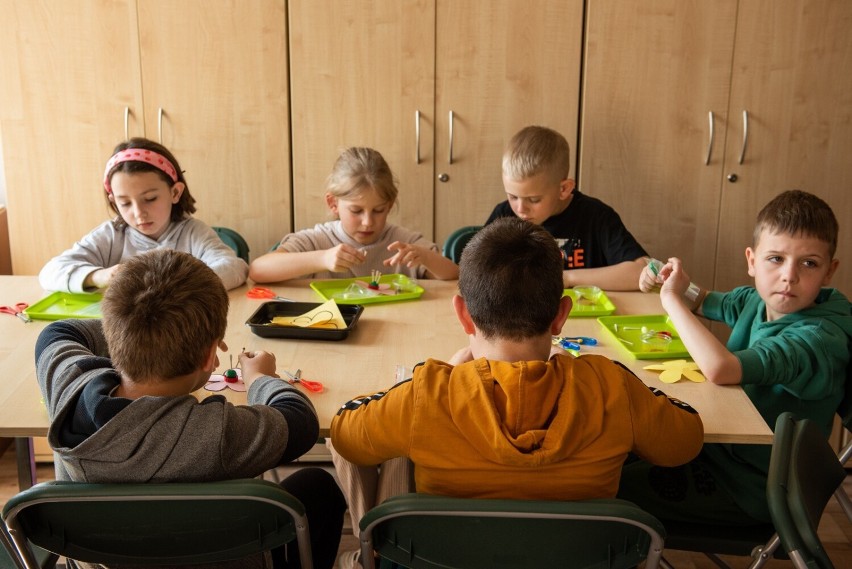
(325, 316)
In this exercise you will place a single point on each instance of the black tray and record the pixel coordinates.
(260, 321)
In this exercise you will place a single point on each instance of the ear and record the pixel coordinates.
(460, 307)
(565, 305)
(566, 186)
(331, 202)
(750, 259)
(177, 191)
(832, 267)
(211, 361)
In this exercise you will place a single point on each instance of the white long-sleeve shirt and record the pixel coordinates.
(107, 245)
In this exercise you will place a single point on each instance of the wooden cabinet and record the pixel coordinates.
(207, 79)
(666, 86)
(69, 70)
(361, 71)
(791, 74)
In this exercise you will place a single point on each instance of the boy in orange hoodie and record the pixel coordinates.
(504, 417)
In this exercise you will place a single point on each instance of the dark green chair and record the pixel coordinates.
(156, 524)
(424, 531)
(235, 241)
(804, 473)
(455, 243)
(801, 489)
(845, 413)
(10, 559)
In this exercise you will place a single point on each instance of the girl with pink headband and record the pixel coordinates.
(145, 186)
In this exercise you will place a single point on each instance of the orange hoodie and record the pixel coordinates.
(555, 430)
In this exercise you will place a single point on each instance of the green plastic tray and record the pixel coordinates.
(327, 289)
(633, 334)
(603, 306)
(61, 305)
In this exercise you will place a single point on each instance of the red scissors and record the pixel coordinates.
(263, 292)
(314, 386)
(17, 310)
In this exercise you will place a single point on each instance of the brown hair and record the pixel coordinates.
(537, 149)
(358, 169)
(510, 276)
(796, 212)
(186, 204)
(161, 313)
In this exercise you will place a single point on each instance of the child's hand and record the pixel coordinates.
(648, 281)
(461, 356)
(675, 280)
(101, 277)
(342, 257)
(406, 254)
(257, 364)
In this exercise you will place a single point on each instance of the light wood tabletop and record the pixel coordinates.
(387, 335)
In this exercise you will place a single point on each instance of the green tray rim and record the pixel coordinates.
(644, 320)
(327, 287)
(38, 311)
(603, 306)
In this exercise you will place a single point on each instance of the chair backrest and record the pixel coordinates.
(815, 474)
(235, 241)
(844, 410)
(420, 530)
(777, 483)
(11, 559)
(156, 524)
(455, 243)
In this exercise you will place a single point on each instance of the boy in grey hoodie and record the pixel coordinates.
(789, 348)
(118, 393)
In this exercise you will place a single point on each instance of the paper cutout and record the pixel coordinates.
(673, 370)
(326, 315)
(377, 288)
(218, 382)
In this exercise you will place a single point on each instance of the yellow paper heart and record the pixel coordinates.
(673, 370)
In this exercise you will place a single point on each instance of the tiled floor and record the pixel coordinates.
(835, 529)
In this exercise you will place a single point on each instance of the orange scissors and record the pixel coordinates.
(17, 310)
(263, 292)
(314, 386)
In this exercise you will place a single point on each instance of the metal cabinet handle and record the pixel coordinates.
(126, 123)
(745, 136)
(160, 114)
(451, 137)
(417, 137)
(710, 142)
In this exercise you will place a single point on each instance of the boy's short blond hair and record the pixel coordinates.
(796, 212)
(161, 313)
(537, 149)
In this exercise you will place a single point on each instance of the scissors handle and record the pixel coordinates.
(293, 379)
(263, 292)
(314, 386)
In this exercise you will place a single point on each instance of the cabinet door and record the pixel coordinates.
(791, 73)
(360, 70)
(69, 70)
(218, 71)
(654, 71)
(500, 66)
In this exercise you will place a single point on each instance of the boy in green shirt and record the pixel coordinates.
(789, 348)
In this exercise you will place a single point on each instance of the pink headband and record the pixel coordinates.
(139, 155)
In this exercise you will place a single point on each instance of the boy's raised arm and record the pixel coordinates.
(713, 358)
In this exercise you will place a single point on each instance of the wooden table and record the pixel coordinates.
(387, 335)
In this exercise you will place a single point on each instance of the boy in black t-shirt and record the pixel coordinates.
(597, 248)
